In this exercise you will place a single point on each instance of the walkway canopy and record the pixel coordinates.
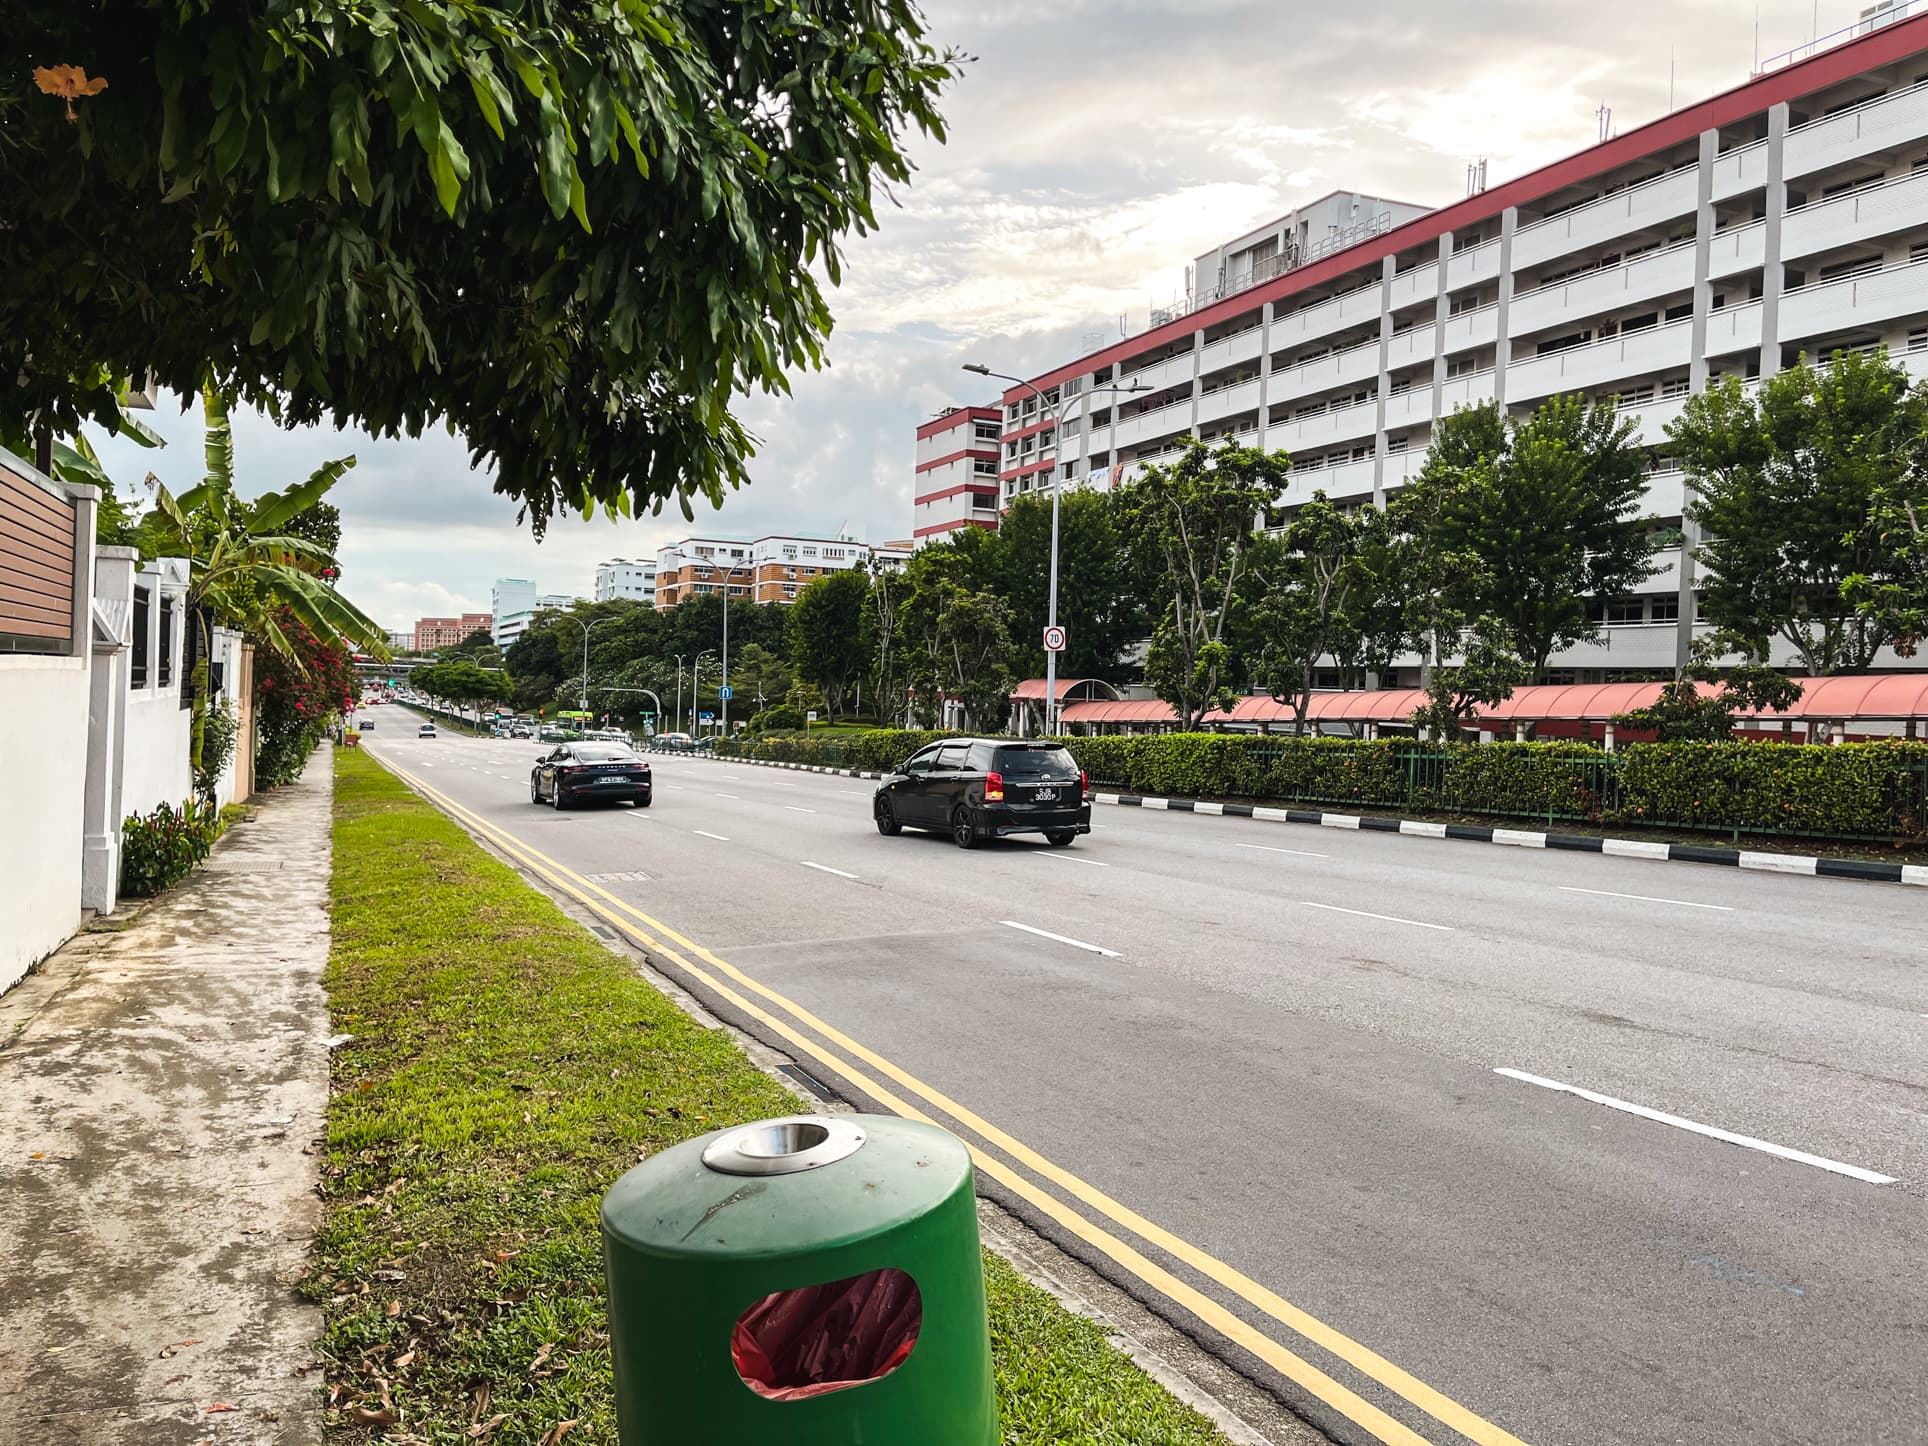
(1877, 697)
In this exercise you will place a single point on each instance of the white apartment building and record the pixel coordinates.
(766, 569)
(512, 602)
(957, 473)
(1788, 216)
(622, 578)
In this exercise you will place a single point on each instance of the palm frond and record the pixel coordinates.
(272, 510)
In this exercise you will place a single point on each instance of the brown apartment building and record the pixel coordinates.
(766, 569)
(432, 634)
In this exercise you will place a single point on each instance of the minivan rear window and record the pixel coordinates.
(1035, 763)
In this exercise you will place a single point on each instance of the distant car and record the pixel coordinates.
(427, 730)
(574, 772)
(521, 730)
(366, 725)
(979, 788)
(674, 742)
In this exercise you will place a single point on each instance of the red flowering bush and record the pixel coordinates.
(296, 694)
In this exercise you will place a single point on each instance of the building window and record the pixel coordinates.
(987, 434)
(139, 659)
(810, 552)
(1624, 610)
(166, 640)
(1675, 388)
(1664, 610)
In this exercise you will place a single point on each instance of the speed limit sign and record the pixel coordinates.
(1054, 639)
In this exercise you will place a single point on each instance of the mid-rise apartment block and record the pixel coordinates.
(957, 473)
(622, 578)
(1783, 218)
(434, 634)
(512, 602)
(768, 569)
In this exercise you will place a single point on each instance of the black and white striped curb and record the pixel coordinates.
(1626, 848)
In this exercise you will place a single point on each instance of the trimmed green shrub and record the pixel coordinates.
(776, 718)
(162, 847)
(1868, 789)
(1540, 780)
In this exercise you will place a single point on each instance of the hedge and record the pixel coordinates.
(1868, 790)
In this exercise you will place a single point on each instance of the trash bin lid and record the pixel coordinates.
(892, 1172)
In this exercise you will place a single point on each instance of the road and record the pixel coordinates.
(1264, 1059)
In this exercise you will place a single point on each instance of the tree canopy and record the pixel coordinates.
(1547, 508)
(570, 232)
(1804, 486)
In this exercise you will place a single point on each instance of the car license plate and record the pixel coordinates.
(1045, 793)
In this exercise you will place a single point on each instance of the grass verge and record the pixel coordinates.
(504, 1069)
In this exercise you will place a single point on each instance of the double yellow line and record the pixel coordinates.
(724, 979)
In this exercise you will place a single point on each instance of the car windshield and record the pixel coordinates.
(603, 753)
(1035, 763)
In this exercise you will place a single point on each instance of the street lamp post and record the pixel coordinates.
(696, 674)
(725, 698)
(679, 686)
(1065, 403)
(585, 626)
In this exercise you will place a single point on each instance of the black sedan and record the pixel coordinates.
(979, 788)
(574, 772)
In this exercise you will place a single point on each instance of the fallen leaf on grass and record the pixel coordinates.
(561, 1429)
(541, 1356)
(481, 1403)
(404, 1361)
(362, 1416)
(394, 1309)
(483, 1428)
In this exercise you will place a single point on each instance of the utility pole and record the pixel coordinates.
(679, 688)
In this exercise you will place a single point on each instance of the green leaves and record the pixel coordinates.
(397, 215)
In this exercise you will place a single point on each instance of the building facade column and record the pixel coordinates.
(1388, 266)
(1773, 273)
(1509, 226)
(1697, 371)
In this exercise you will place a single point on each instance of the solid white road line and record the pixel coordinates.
(825, 869)
(1065, 858)
(1645, 899)
(1388, 918)
(1268, 849)
(1746, 1141)
(1059, 938)
(794, 809)
(727, 795)
(705, 833)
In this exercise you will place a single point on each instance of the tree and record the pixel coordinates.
(1095, 605)
(480, 640)
(249, 569)
(463, 683)
(758, 675)
(881, 642)
(1309, 576)
(1801, 484)
(957, 643)
(1699, 706)
(571, 232)
(1192, 524)
(827, 634)
(1548, 508)
(1485, 677)
(1898, 602)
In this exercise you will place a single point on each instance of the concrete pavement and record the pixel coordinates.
(1286, 1057)
(159, 1088)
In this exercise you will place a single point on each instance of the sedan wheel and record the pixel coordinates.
(535, 792)
(556, 797)
(963, 834)
(887, 823)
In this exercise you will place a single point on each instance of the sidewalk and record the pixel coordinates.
(160, 1090)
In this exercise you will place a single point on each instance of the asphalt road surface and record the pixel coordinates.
(1256, 1077)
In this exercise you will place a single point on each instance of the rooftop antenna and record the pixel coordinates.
(1605, 116)
(1757, 39)
(1670, 80)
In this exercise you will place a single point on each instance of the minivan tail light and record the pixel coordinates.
(1084, 783)
(993, 787)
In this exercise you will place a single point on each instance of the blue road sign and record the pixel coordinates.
(726, 693)
(706, 717)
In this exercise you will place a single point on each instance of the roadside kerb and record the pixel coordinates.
(1806, 865)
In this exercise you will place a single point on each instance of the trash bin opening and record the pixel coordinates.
(783, 1137)
(822, 1338)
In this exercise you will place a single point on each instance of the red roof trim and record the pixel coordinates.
(953, 526)
(1881, 47)
(958, 417)
(983, 489)
(1028, 469)
(1034, 427)
(987, 454)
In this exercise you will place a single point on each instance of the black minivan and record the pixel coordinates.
(976, 788)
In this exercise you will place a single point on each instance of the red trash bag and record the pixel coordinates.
(824, 1338)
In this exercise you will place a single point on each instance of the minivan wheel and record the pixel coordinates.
(963, 833)
(887, 823)
(1061, 838)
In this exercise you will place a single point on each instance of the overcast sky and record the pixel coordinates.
(1096, 147)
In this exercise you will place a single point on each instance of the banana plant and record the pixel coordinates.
(246, 569)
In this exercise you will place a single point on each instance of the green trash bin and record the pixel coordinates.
(810, 1281)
